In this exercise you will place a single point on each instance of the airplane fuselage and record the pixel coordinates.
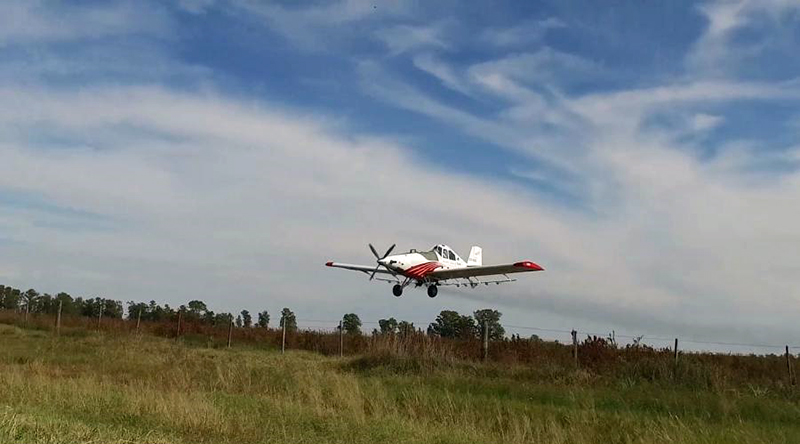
(416, 265)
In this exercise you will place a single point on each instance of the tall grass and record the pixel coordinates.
(601, 361)
(88, 386)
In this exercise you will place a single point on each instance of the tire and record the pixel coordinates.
(433, 290)
(397, 290)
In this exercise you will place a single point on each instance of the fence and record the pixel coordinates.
(598, 354)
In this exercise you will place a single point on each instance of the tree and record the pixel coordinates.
(492, 317)
(239, 321)
(134, 308)
(223, 319)
(287, 317)
(111, 308)
(450, 324)
(12, 299)
(195, 310)
(247, 320)
(351, 324)
(67, 303)
(405, 328)
(263, 319)
(29, 298)
(388, 326)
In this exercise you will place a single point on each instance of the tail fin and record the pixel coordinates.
(475, 257)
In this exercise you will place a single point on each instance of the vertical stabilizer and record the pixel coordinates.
(475, 257)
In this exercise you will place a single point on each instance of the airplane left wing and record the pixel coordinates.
(368, 269)
(489, 270)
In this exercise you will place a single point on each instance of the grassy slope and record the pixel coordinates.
(108, 389)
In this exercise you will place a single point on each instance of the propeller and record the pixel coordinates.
(380, 258)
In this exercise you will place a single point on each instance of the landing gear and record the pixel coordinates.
(433, 290)
(397, 290)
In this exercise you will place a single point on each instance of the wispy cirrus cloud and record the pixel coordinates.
(40, 22)
(523, 34)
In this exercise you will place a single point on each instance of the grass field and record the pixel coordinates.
(93, 387)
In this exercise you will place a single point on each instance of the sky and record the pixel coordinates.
(645, 154)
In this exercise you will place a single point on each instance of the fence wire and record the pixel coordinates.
(334, 324)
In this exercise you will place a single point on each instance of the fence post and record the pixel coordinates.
(341, 339)
(58, 318)
(230, 332)
(676, 351)
(789, 367)
(178, 330)
(485, 340)
(100, 315)
(283, 339)
(138, 320)
(27, 310)
(575, 347)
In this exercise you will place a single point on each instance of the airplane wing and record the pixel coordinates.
(368, 269)
(468, 272)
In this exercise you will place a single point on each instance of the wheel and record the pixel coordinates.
(397, 290)
(433, 290)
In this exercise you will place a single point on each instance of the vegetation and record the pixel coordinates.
(106, 378)
(114, 387)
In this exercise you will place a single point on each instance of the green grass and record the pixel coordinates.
(142, 389)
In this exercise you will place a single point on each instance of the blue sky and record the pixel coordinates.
(645, 154)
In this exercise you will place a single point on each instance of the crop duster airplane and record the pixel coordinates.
(435, 267)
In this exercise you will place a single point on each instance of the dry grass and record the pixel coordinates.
(141, 389)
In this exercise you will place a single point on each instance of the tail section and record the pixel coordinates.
(475, 257)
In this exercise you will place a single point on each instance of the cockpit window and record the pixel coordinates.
(452, 256)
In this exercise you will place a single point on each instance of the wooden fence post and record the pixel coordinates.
(230, 332)
(100, 315)
(138, 320)
(341, 339)
(575, 347)
(676, 351)
(58, 318)
(283, 339)
(789, 367)
(485, 340)
(178, 330)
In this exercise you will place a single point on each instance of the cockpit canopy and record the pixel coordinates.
(445, 252)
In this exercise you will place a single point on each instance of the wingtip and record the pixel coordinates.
(529, 265)
(329, 264)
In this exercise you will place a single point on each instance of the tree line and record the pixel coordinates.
(448, 324)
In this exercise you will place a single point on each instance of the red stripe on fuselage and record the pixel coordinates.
(420, 270)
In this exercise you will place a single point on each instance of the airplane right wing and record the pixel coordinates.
(489, 270)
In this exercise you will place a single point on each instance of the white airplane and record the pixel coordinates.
(435, 267)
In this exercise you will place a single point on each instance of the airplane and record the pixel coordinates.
(438, 266)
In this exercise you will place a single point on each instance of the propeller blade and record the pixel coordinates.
(372, 276)
(389, 251)
(373, 251)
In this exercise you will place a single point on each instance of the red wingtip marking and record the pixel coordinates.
(329, 264)
(529, 264)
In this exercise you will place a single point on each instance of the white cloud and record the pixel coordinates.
(703, 122)
(717, 51)
(443, 72)
(522, 34)
(317, 27)
(150, 193)
(404, 38)
(35, 22)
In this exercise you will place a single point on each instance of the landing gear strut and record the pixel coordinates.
(433, 290)
(397, 290)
